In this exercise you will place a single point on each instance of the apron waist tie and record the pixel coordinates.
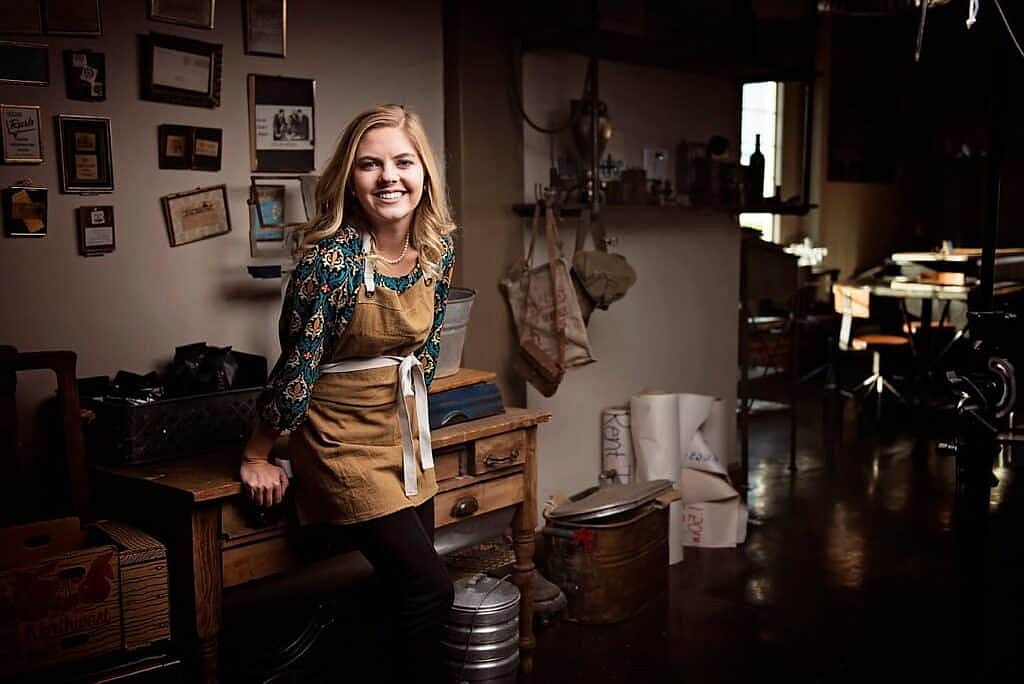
(411, 383)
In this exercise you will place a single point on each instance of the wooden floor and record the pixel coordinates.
(849, 574)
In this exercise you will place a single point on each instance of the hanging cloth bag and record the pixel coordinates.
(552, 333)
(599, 276)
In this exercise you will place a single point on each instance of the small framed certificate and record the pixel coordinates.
(86, 162)
(196, 214)
(95, 230)
(22, 140)
(180, 70)
(24, 211)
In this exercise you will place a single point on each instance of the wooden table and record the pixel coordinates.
(195, 506)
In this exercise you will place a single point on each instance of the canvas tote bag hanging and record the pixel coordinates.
(550, 327)
(599, 276)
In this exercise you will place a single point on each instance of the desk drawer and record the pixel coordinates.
(448, 463)
(497, 452)
(476, 499)
(250, 562)
(239, 518)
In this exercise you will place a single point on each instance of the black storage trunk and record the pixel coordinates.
(172, 428)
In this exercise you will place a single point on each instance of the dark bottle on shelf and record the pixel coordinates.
(755, 190)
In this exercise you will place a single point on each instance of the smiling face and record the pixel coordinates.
(387, 177)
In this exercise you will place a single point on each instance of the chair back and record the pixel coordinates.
(63, 366)
(852, 302)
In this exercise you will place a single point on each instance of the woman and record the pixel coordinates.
(360, 332)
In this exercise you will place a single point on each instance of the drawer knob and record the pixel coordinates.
(491, 460)
(467, 505)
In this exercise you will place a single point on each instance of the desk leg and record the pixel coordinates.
(199, 586)
(523, 524)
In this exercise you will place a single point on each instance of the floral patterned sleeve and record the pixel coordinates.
(430, 349)
(312, 318)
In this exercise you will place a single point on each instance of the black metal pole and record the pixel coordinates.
(990, 227)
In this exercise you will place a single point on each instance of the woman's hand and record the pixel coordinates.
(264, 481)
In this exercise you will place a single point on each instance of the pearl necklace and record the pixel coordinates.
(394, 262)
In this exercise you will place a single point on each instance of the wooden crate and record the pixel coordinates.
(67, 595)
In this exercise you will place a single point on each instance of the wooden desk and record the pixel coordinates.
(195, 506)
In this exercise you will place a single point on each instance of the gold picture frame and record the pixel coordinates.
(196, 215)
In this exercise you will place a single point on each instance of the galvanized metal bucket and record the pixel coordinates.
(453, 332)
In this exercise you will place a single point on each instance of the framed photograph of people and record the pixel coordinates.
(22, 138)
(73, 17)
(206, 148)
(85, 75)
(24, 211)
(196, 214)
(174, 146)
(24, 63)
(22, 16)
(282, 123)
(86, 162)
(197, 13)
(181, 70)
(266, 27)
(95, 230)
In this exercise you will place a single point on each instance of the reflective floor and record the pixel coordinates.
(850, 573)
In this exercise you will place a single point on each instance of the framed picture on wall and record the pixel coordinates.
(174, 149)
(197, 13)
(22, 138)
(86, 162)
(22, 16)
(206, 148)
(24, 211)
(180, 70)
(95, 230)
(85, 75)
(266, 27)
(281, 123)
(73, 17)
(196, 214)
(267, 218)
(24, 63)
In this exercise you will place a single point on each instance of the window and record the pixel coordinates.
(761, 114)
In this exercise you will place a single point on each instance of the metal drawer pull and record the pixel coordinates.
(492, 460)
(467, 505)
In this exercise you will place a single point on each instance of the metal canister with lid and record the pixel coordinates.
(481, 637)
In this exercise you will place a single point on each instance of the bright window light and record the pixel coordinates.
(761, 115)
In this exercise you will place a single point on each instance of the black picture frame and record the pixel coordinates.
(24, 211)
(207, 148)
(195, 13)
(85, 75)
(95, 230)
(28, 22)
(73, 17)
(197, 214)
(282, 124)
(174, 146)
(24, 63)
(84, 149)
(180, 70)
(266, 27)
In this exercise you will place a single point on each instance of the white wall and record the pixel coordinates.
(129, 309)
(676, 328)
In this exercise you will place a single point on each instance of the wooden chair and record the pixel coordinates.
(854, 302)
(768, 344)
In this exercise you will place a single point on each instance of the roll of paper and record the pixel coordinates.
(654, 422)
(617, 443)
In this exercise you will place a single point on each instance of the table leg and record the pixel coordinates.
(523, 524)
(198, 584)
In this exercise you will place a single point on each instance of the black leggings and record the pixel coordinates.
(400, 547)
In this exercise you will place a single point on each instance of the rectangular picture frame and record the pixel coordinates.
(84, 150)
(29, 21)
(207, 148)
(266, 27)
(95, 230)
(195, 13)
(22, 134)
(24, 211)
(268, 213)
(174, 146)
(24, 63)
(73, 17)
(85, 75)
(196, 215)
(180, 70)
(282, 124)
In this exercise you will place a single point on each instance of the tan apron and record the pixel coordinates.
(347, 457)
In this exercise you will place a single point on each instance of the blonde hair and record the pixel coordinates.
(336, 206)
